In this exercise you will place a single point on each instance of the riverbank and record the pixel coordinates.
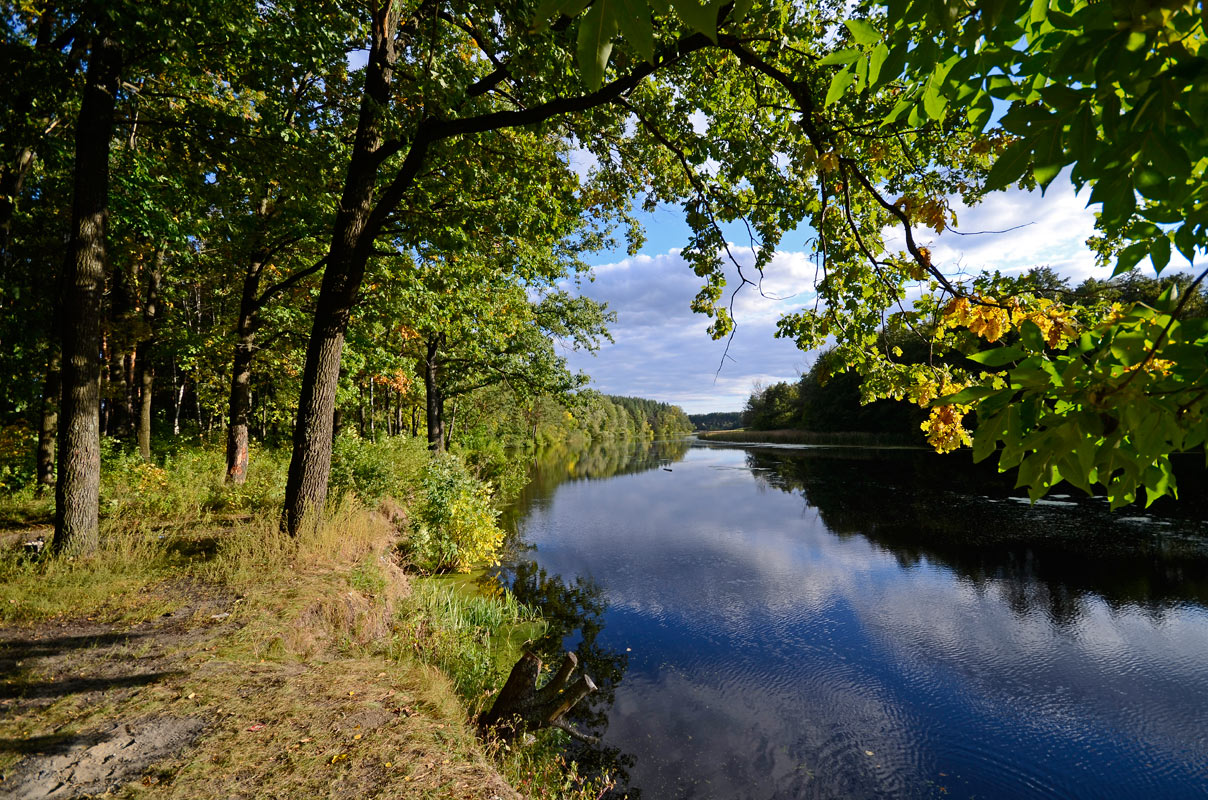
(203, 655)
(794, 436)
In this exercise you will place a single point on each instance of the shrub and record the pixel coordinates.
(373, 470)
(17, 444)
(455, 523)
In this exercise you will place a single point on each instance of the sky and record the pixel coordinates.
(661, 350)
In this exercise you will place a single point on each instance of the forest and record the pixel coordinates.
(266, 266)
(173, 174)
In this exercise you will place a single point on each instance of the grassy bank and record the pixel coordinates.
(793, 436)
(241, 663)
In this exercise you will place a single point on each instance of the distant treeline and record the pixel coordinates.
(503, 418)
(716, 420)
(825, 400)
(650, 417)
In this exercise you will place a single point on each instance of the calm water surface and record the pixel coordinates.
(784, 623)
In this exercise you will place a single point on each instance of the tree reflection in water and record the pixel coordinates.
(1051, 557)
(575, 610)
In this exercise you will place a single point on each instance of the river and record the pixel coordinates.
(825, 622)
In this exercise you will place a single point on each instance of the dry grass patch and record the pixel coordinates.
(281, 649)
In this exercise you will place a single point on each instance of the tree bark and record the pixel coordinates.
(178, 393)
(146, 370)
(77, 490)
(241, 374)
(435, 401)
(522, 706)
(358, 221)
(372, 427)
(48, 429)
(351, 246)
(452, 422)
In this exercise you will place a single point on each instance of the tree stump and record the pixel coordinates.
(521, 706)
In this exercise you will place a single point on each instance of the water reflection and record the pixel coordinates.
(868, 624)
(574, 613)
(920, 507)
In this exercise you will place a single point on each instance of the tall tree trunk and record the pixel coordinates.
(452, 422)
(435, 404)
(77, 490)
(146, 370)
(120, 400)
(240, 408)
(241, 373)
(178, 392)
(351, 246)
(360, 412)
(49, 427)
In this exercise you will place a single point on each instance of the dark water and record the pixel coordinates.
(784, 623)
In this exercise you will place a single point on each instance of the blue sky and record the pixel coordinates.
(662, 350)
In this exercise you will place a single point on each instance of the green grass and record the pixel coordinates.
(317, 622)
(473, 636)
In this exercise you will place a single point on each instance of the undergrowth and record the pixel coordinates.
(335, 603)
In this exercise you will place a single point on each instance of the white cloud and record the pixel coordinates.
(662, 349)
(1036, 231)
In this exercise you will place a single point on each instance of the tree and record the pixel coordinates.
(772, 407)
(1095, 394)
(468, 102)
(83, 280)
(1112, 90)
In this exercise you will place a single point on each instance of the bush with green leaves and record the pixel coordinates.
(373, 470)
(454, 526)
(16, 457)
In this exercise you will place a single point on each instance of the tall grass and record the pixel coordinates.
(471, 636)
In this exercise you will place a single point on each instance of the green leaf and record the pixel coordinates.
(1044, 174)
(894, 62)
(1159, 253)
(1129, 257)
(839, 57)
(998, 356)
(1115, 192)
(1168, 300)
(934, 103)
(635, 25)
(875, 62)
(546, 11)
(839, 84)
(1010, 166)
(1167, 157)
(862, 31)
(1184, 239)
(967, 395)
(1029, 333)
(596, 30)
(702, 19)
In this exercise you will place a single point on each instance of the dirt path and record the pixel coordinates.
(201, 704)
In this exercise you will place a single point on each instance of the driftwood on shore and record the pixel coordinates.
(521, 706)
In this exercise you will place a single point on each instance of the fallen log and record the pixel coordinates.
(521, 706)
